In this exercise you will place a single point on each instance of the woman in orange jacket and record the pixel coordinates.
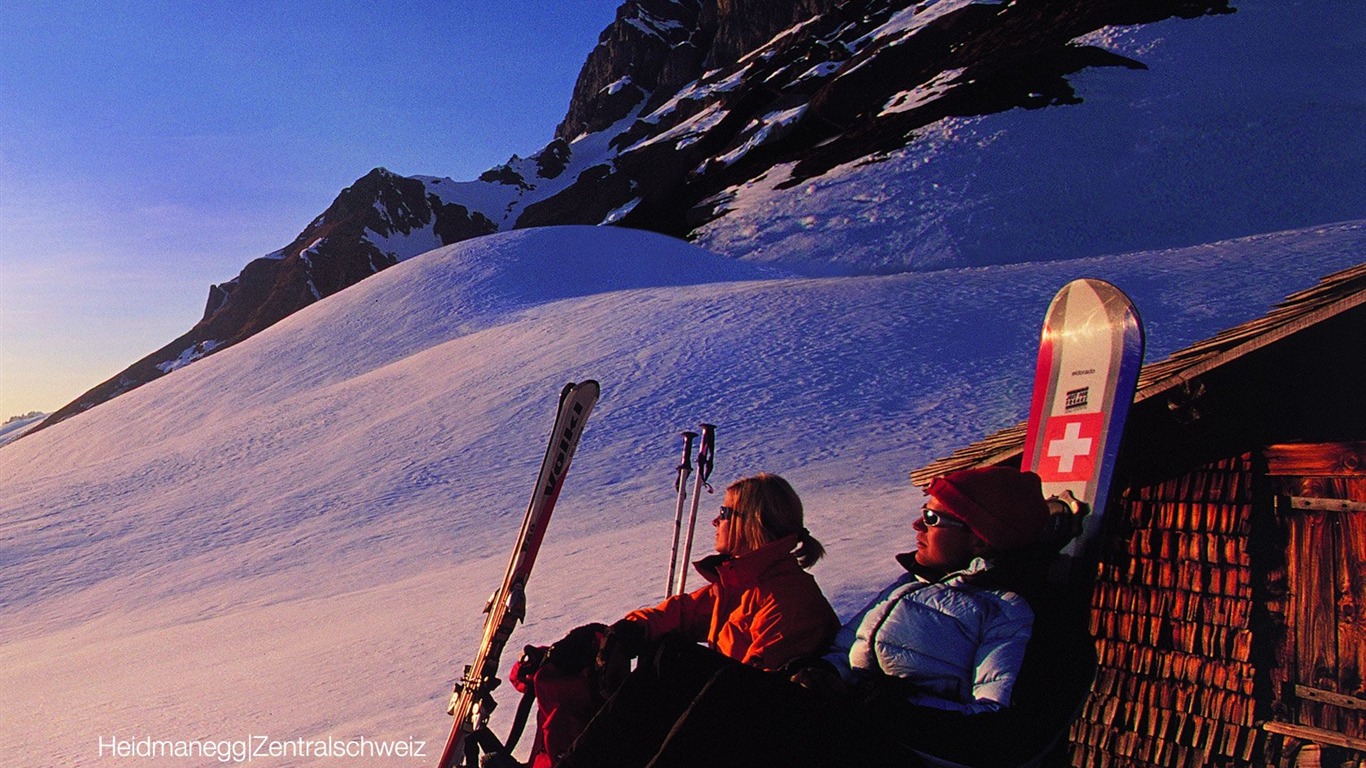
(759, 608)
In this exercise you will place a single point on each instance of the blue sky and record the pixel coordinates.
(150, 149)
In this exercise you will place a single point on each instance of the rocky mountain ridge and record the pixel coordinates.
(656, 47)
(681, 103)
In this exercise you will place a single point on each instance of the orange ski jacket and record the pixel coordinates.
(760, 608)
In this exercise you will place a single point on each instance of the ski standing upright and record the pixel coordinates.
(1090, 353)
(472, 702)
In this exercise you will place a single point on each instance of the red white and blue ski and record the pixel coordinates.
(1090, 354)
(472, 701)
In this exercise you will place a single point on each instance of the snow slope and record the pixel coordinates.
(293, 539)
(1236, 124)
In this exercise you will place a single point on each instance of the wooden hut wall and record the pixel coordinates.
(1172, 614)
(1318, 698)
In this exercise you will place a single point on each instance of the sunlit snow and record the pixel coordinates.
(294, 538)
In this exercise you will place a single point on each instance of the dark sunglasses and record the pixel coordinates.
(933, 519)
(726, 513)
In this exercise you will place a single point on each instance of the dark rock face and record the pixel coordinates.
(649, 47)
(830, 84)
(337, 250)
(736, 27)
(657, 46)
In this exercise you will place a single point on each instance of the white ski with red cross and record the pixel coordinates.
(1090, 354)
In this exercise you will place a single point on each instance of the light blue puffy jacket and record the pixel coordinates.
(959, 645)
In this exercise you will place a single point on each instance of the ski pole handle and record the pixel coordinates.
(685, 464)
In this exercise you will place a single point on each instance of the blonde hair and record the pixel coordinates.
(767, 509)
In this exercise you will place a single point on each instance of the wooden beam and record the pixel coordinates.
(1316, 459)
(1329, 697)
(1327, 505)
(1316, 735)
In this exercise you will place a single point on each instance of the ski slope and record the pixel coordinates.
(292, 540)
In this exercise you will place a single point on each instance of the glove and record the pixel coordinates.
(818, 676)
(626, 637)
(575, 651)
(524, 670)
(625, 640)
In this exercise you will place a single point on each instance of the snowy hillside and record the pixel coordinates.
(1195, 129)
(293, 539)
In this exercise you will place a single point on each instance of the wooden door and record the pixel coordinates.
(1321, 510)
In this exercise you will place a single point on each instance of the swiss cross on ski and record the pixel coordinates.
(1070, 449)
(1090, 353)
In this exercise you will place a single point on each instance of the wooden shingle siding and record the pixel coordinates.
(1171, 612)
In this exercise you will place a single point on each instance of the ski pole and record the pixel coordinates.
(706, 457)
(681, 485)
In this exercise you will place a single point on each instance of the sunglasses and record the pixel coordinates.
(933, 519)
(726, 513)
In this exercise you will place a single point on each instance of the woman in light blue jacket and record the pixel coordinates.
(952, 631)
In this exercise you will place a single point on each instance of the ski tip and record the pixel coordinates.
(587, 385)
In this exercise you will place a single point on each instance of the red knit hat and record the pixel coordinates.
(1004, 506)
